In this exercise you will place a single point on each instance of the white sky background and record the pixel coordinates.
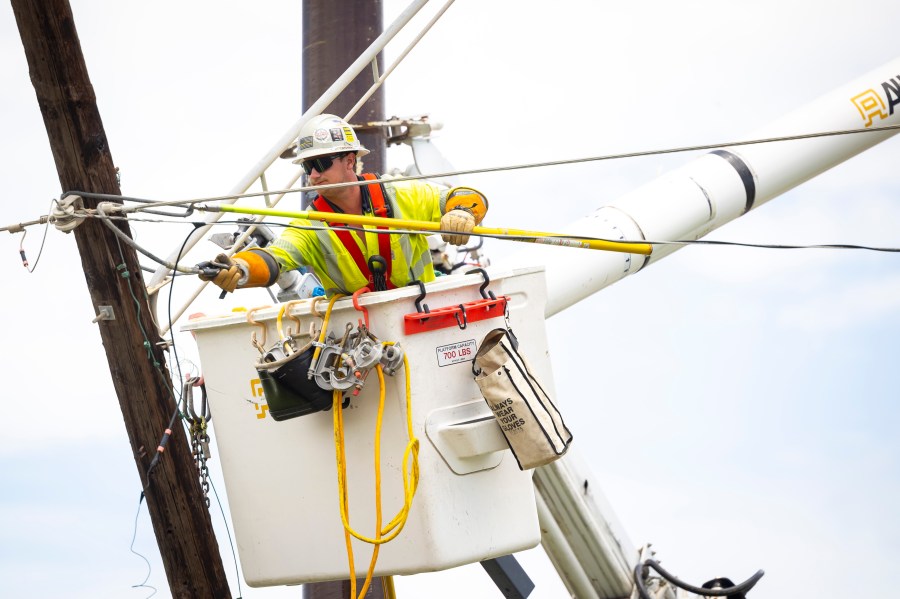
(737, 406)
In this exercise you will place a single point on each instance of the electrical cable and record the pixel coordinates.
(230, 541)
(685, 242)
(116, 198)
(130, 241)
(476, 171)
(640, 570)
(32, 268)
(178, 362)
(161, 447)
(779, 246)
(169, 303)
(188, 202)
(682, 242)
(143, 584)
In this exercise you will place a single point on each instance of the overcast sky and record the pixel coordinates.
(737, 407)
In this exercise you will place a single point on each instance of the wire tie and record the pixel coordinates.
(122, 270)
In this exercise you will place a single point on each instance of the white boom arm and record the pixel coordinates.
(721, 186)
(581, 535)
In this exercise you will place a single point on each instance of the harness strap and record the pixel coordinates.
(379, 208)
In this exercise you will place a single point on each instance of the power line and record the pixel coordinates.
(148, 206)
(680, 242)
(681, 149)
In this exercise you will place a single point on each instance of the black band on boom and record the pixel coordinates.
(743, 172)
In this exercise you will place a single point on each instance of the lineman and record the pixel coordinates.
(344, 260)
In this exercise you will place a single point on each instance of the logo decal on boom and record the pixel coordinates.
(871, 105)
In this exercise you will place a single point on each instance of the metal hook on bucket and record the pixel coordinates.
(465, 320)
(253, 341)
(313, 306)
(420, 307)
(360, 308)
(286, 311)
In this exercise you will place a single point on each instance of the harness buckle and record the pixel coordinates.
(378, 268)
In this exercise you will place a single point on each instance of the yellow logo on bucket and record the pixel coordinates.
(256, 390)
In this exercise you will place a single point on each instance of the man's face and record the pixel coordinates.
(323, 170)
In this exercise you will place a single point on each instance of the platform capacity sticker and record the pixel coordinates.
(462, 351)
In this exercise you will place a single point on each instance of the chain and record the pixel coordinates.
(200, 451)
(199, 436)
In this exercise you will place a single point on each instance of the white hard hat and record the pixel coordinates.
(327, 134)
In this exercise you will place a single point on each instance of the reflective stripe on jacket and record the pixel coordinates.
(319, 248)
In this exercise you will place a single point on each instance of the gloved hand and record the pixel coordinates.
(459, 221)
(227, 276)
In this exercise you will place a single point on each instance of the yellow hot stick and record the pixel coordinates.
(643, 249)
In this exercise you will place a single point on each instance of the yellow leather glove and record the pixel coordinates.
(229, 274)
(459, 221)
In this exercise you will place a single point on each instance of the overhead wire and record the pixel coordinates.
(681, 242)
(130, 241)
(475, 171)
(148, 206)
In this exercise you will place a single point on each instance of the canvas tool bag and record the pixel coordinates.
(533, 427)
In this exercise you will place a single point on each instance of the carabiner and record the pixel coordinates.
(188, 407)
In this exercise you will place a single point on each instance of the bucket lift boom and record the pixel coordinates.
(582, 536)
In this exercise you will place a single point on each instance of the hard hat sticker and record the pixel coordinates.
(348, 134)
(336, 134)
(321, 134)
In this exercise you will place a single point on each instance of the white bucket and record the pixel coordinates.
(472, 503)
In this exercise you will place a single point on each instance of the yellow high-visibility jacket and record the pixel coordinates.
(318, 247)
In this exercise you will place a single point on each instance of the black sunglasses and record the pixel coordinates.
(320, 163)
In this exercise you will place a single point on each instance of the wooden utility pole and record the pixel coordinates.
(335, 33)
(180, 518)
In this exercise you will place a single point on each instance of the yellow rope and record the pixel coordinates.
(410, 473)
(278, 322)
(388, 586)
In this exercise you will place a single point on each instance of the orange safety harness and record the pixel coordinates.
(378, 276)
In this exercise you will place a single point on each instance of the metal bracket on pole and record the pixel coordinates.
(104, 313)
